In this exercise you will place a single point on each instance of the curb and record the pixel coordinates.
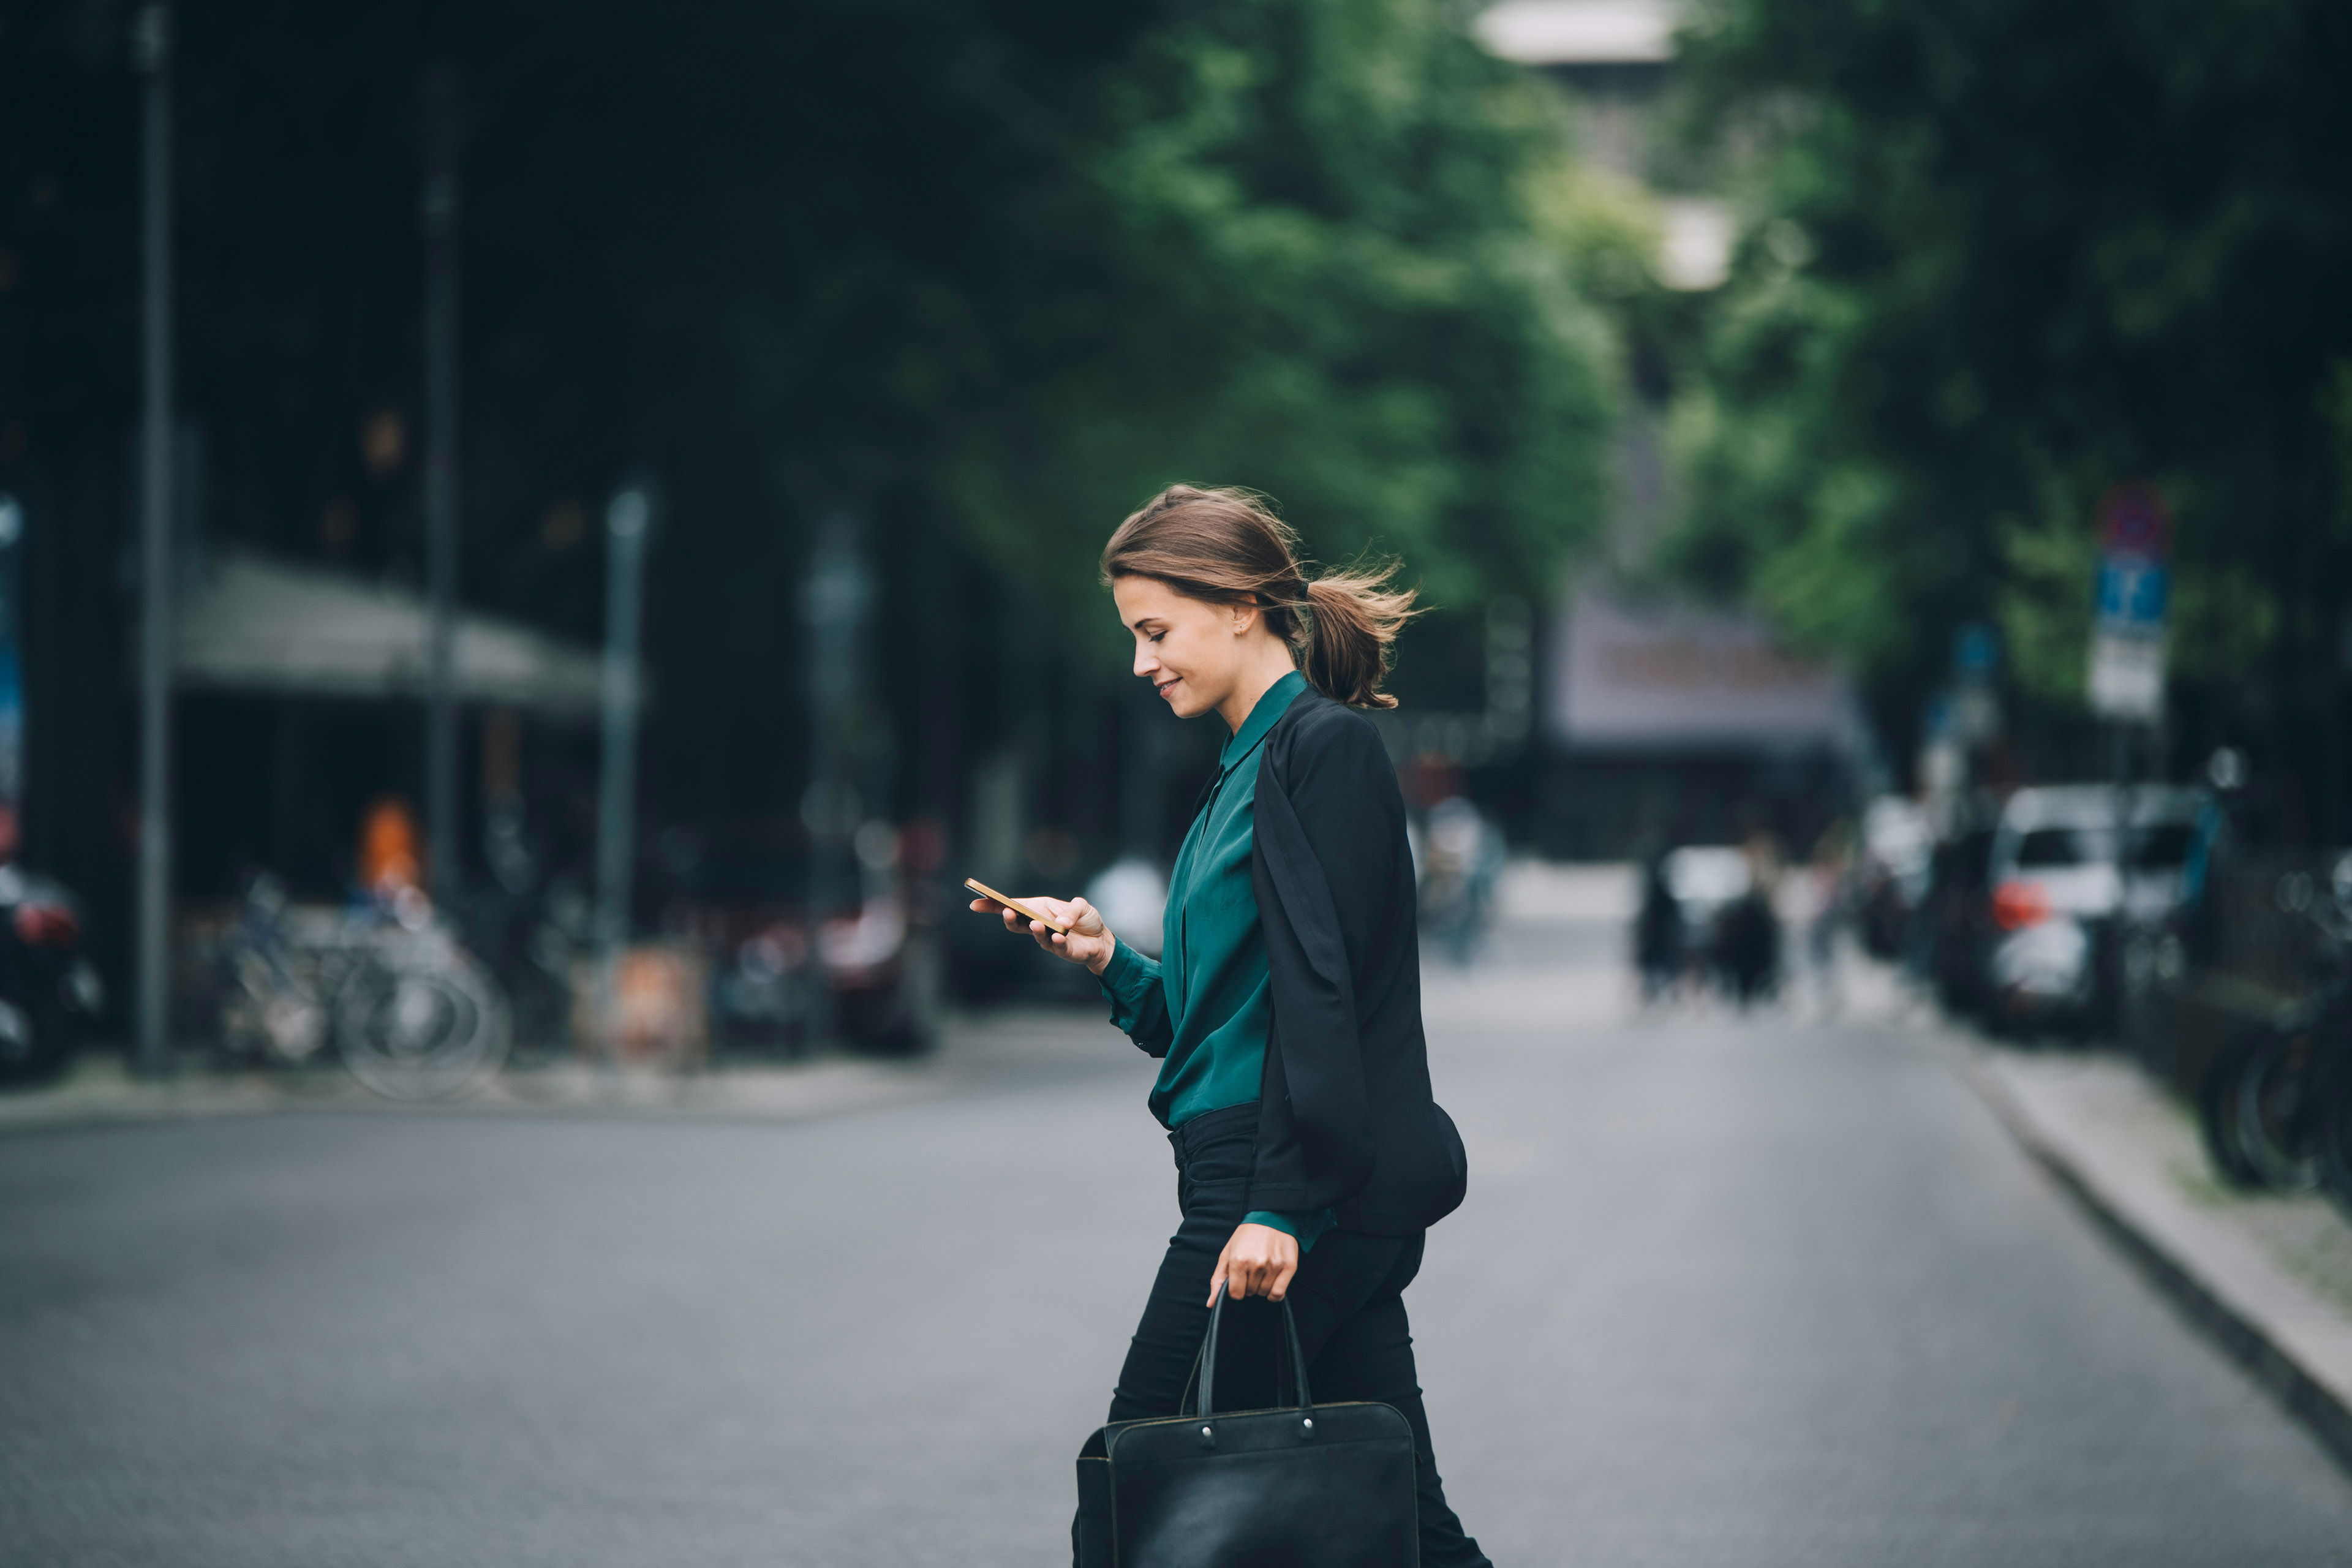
(2243, 1336)
(981, 1054)
(818, 1088)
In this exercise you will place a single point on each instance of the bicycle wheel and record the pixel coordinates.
(421, 1023)
(2277, 1109)
(2335, 1137)
(2217, 1117)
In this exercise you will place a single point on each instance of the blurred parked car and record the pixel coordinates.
(2066, 888)
(762, 990)
(872, 970)
(49, 987)
(884, 976)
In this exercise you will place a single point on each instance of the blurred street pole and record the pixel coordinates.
(629, 520)
(834, 602)
(440, 212)
(150, 47)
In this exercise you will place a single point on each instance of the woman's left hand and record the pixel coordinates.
(1258, 1261)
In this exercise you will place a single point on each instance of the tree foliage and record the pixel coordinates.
(2005, 255)
(984, 273)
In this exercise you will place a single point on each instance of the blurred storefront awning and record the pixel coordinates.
(1675, 677)
(254, 625)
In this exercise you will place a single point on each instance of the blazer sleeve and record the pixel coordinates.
(1319, 868)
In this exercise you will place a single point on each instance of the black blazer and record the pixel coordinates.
(1345, 1119)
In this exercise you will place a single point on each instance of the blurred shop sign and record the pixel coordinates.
(1678, 677)
(2128, 643)
(258, 625)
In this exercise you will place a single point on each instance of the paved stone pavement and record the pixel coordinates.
(1727, 1292)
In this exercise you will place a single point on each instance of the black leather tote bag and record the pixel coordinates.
(1304, 1486)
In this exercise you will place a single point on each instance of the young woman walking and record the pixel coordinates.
(1286, 1011)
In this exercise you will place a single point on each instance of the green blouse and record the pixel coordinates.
(1209, 994)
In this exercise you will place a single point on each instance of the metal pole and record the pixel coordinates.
(150, 47)
(440, 211)
(2110, 980)
(836, 600)
(2123, 799)
(628, 526)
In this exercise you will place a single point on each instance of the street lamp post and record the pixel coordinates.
(836, 600)
(150, 47)
(629, 520)
(440, 213)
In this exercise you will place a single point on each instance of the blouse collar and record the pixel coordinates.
(1269, 711)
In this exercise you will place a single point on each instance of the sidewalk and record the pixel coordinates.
(2269, 1275)
(100, 1093)
(1008, 1046)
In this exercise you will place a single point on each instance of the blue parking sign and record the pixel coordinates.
(2132, 593)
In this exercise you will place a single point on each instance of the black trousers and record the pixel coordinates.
(1348, 1298)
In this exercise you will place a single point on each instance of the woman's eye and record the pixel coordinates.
(1157, 635)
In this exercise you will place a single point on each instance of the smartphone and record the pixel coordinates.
(1016, 906)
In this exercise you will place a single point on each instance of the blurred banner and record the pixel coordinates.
(1642, 678)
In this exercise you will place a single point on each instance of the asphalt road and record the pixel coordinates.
(1726, 1291)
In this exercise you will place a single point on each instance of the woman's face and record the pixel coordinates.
(1191, 651)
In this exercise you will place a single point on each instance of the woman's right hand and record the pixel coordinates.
(1089, 942)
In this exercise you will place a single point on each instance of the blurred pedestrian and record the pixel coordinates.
(1747, 932)
(1463, 860)
(1291, 904)
(1657, 933)
(1824, 885)
(389, 862)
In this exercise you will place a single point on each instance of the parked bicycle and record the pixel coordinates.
(411, 1014)
(2276, 1109)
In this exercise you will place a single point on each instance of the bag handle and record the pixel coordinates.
(1208, 1357)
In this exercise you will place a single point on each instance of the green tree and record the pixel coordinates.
(2005, 254)
(984, 273)
(1322, 263)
